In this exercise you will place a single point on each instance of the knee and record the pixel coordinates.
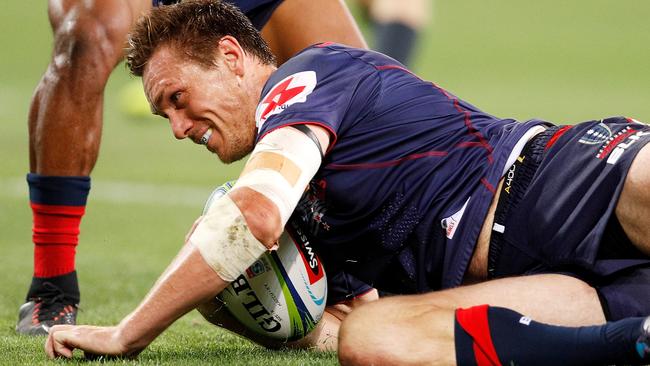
(401, 330)
(366, 336)
(87, 40)
(356, 343)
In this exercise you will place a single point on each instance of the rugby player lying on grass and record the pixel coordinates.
(406, 192)
(65, 122)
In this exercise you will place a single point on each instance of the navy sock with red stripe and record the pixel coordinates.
(58, 204)
(496, 336)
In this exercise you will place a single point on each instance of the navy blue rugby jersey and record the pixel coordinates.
(406, 182)
(258, 11)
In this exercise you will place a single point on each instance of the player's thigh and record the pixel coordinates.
(296, 24)
(548, 298)
(633, 207)
(399, 330)
(77, 17)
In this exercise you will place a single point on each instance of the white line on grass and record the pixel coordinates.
(120, 192)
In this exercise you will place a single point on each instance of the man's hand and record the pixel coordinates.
(105, 341)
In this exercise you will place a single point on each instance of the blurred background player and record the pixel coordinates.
(65, 122)
(396, 25)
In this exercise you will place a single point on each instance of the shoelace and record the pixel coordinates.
(50, 303)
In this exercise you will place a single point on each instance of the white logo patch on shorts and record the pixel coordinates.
(292, 89)
(596, 135)
(525, 320)
(450, 224)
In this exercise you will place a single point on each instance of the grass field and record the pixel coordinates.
(565, 61)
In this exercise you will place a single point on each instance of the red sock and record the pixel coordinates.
(474, 321)
(55, 236)
(58, 204)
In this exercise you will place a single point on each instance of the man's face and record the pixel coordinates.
(211, 106)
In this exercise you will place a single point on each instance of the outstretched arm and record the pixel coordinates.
(187, 282)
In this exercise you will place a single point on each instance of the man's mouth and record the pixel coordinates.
(206, 136)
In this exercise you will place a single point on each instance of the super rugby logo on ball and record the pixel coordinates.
(282, 295)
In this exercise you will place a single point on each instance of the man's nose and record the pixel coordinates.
(180, 125)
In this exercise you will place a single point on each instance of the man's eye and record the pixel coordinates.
(174, 98)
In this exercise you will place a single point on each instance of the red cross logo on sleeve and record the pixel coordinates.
(280, 95)
(291, 90)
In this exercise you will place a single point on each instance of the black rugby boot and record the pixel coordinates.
(50, 301)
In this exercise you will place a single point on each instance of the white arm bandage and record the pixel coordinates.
(224, 240)
(280, 167)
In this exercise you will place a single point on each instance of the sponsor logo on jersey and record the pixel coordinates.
(312, 210)
(596, 135)
(292, 89)
(450, 224)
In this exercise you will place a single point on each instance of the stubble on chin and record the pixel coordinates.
(239, 149)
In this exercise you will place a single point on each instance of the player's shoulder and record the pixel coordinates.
(331, 61)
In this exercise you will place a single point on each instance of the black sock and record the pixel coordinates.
(502, 336)
(396, 40)
(66, 283)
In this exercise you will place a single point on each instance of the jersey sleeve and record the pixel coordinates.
(321, 86)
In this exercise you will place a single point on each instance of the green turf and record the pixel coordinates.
(565, 61)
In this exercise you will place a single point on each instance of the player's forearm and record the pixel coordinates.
(186, 283)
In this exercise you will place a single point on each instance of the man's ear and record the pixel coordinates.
(232, 53)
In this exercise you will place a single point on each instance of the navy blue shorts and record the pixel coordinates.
(555, 213)
(258, 11)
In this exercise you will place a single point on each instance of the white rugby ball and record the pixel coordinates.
(283, 294)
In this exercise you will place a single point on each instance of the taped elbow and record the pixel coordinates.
(261, 214)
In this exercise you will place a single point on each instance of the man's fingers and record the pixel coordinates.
(49, 347)
(64, 342)
(50, 342)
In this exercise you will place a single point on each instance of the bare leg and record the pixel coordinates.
(65, 118)
(395, 331)
(318, 21)
(418, 329)
(633, 208)
(65, 123)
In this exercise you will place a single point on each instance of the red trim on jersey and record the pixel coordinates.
(474, 321)
(482, 142)
(469, 144)
(385, 164)
(396, 67)
(489, 186)
(55, 236)
(324, 44)
(320, 124)
(556, 136)
(612, 144)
